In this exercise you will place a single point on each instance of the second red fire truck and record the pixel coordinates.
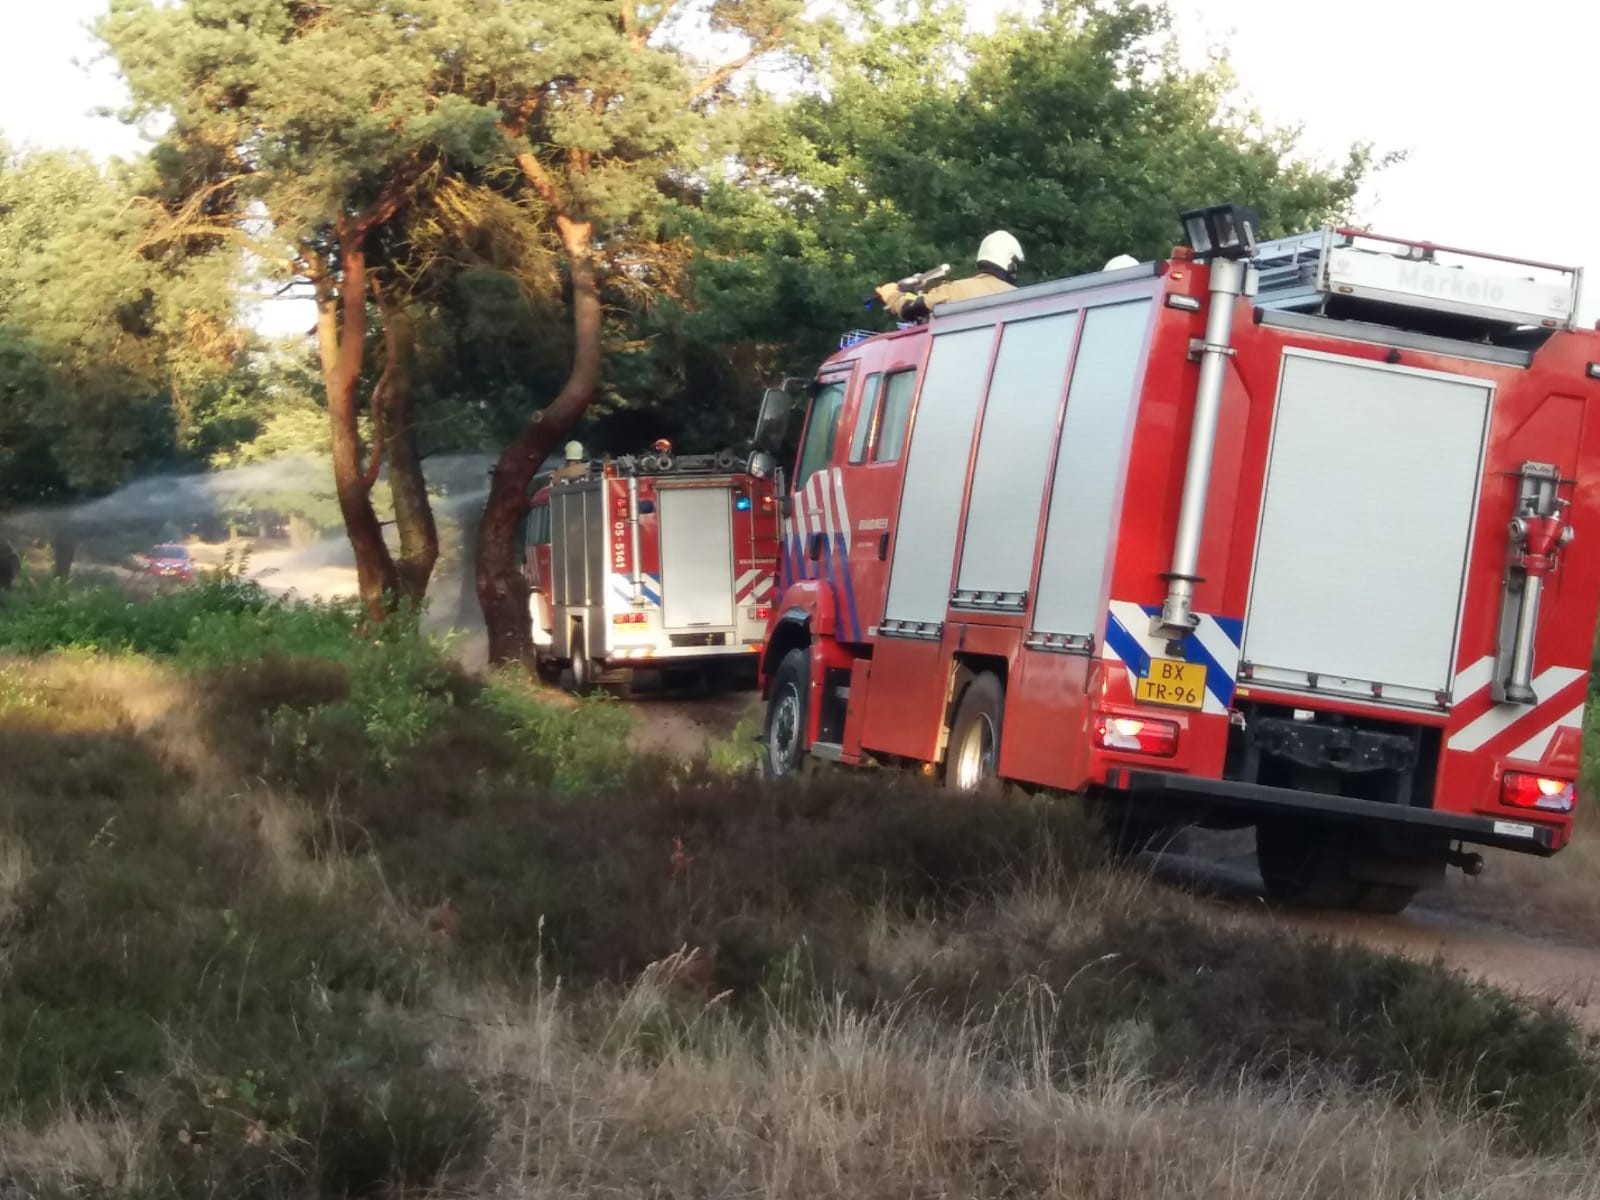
(1276, 535)
(652, 561)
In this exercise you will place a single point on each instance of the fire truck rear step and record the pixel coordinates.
(1155, 786)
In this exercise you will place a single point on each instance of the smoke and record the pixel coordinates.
(280, 517)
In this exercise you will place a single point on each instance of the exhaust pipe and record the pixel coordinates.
(1230, 279)
(633, 529)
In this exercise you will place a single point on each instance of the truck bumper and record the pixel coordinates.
(1184, 792)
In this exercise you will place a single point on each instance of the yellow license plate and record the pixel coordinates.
(1173, 683)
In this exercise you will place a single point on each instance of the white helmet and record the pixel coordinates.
(1000, 250)
(1121, 261)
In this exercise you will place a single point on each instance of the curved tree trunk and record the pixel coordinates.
(341, 344)
(408, 488)
(502, 588)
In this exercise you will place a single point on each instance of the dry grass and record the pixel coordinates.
(599, 1100)
(877, 994)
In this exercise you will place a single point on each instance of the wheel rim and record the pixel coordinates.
(783, 737)
(974, 757)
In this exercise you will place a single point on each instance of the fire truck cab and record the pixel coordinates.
(652, 561)
(1273, 535)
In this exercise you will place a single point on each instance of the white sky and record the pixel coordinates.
(1492, 103)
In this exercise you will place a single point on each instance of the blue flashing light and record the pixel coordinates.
(847, 340)
(741, 503)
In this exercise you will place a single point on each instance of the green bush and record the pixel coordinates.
(576, 751)
(399, 681)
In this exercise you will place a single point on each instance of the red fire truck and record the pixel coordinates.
(652, 561)
(1272, 535)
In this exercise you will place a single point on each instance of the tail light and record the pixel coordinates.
(630, 618)
(1520, 789)
(1137, 735)
(760, 613)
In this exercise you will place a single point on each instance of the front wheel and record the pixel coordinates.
(787, 711)
(973, 759)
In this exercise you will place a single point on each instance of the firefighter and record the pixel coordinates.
(576, 466)
(999, 257)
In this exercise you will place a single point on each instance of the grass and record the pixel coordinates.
(260, 936)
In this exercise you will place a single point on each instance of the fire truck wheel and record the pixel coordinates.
(1387, 898)
(548, 670)
(786, 716)
(974, 755)
(1306, 863)
(582, 669)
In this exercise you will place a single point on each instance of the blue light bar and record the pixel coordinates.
(741, 503)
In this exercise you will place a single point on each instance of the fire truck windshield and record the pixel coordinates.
(817, 448)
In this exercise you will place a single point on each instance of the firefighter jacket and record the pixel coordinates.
(911, 305)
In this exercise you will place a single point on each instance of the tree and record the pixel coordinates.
(304, 130)
(113, 358)
(608, 117)
(1077, 130)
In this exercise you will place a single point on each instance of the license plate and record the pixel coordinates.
(1173, 683)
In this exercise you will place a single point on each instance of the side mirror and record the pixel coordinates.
(762, 465)
(773, 420)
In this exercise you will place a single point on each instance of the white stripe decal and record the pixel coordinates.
(841, 509)
(1534, 749)
(1503, 716)
(744, 580)
(825, 498)
(1218, 645)
(1473, 680)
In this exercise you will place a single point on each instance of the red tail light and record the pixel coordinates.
(630, 618)
(761, 612)
(1522, 790)
(1136, 735)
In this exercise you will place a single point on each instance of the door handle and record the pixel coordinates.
(814, 546)
(883, 545)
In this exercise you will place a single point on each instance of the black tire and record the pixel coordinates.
(580, 666)
(547, 669)
(1306, 863)
(1387, 898)
(972, 757)
(1129, 833)
(788, 713)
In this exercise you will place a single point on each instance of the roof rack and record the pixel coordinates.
(1368, 274)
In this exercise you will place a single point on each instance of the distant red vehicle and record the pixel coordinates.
(169, 562)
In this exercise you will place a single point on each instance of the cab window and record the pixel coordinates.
(817, 448)
(890, 441)
(539, 525)
(866, 418)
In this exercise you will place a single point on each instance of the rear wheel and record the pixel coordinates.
(582, 669)
(1309, 863)
(973, 758)
(787, 711)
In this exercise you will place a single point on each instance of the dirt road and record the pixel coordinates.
(1220, 869)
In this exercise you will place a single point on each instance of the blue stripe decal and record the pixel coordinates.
(1134, 647)
(1127, 647)
(843, 551)
(827, 566)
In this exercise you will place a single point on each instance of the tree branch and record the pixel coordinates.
(720, 75)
